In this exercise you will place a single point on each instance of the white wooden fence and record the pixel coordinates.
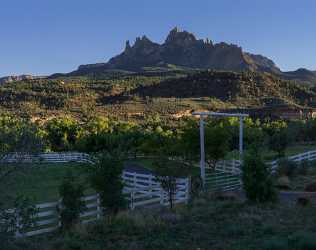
(62, 157)
(227, 174)
(140, 189)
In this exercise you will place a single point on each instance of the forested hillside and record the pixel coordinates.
(135, 96)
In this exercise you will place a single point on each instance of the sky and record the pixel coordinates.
(42, 37)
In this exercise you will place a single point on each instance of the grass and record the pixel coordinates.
(204, 224)
(39, 182)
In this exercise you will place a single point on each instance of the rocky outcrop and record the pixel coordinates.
(183, 49)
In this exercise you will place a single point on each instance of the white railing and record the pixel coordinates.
(307, 156)
(144, 189)
(46, 219)
(140, 190)
(62, 157)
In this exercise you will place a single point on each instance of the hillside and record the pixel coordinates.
(249, 89)
(170, 94)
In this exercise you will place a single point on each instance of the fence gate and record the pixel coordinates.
(225, 177)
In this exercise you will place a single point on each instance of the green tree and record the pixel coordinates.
(71, 203)
(279, 141)
(256, 177)
(106, 180)
(62, 133)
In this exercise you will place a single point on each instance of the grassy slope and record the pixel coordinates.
(205, 224)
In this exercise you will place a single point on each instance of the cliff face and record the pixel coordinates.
(184, 49)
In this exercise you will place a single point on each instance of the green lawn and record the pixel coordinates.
(39, 182)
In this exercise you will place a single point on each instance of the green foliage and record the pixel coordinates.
(303, 240)
(62, 133)
(216, 144)
(279, 141)
(276, 243)
(106, 180)
(71, 203)
(304, 167)
(23, 216)
(167, 172)
(256, 177)
(286, 168)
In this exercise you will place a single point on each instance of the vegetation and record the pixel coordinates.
(136, 96)
(205, 224)
(71, 204)
(106, 180)
(257, 179)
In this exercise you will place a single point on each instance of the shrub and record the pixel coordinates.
(276, 244)
(106, 180)
(278, 142)
(286, 168)
(303, 167)
(71, 203)
(311, 187)
(23, 216)
(303, 240)
(283, 182)
(256, 177)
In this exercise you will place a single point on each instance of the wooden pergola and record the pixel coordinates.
(202, 136)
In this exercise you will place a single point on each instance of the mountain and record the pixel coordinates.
(8, 79)
(183, 49)
(301, 75)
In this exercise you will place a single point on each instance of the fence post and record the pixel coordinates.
(187, 190)
(161, 196)
(132, 200)
(17, 224)
(98, 207)
(59, 206)
(151, 186)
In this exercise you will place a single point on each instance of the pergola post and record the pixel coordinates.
(241, 135)
(202, 148)
(202, 139)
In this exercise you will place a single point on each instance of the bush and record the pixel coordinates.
(310, 187)
(283, 182)
(276, 244)
(278, 142)
(71, 203)
(257, 179)
(106, 180)
(286, 168)
(303, 240)
(303, 167)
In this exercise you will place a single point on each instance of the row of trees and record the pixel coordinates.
(153, 136)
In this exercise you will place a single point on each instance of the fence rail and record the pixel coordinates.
(140, 189)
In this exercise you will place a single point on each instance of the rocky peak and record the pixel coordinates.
(178, 37)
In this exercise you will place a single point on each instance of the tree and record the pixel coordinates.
(62, 133)
(279, 141)
(167, 171)
(216, 144)
(105, 178)
(71, 203)
(256, 177)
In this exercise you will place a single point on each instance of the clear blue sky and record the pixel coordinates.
(46, 36)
